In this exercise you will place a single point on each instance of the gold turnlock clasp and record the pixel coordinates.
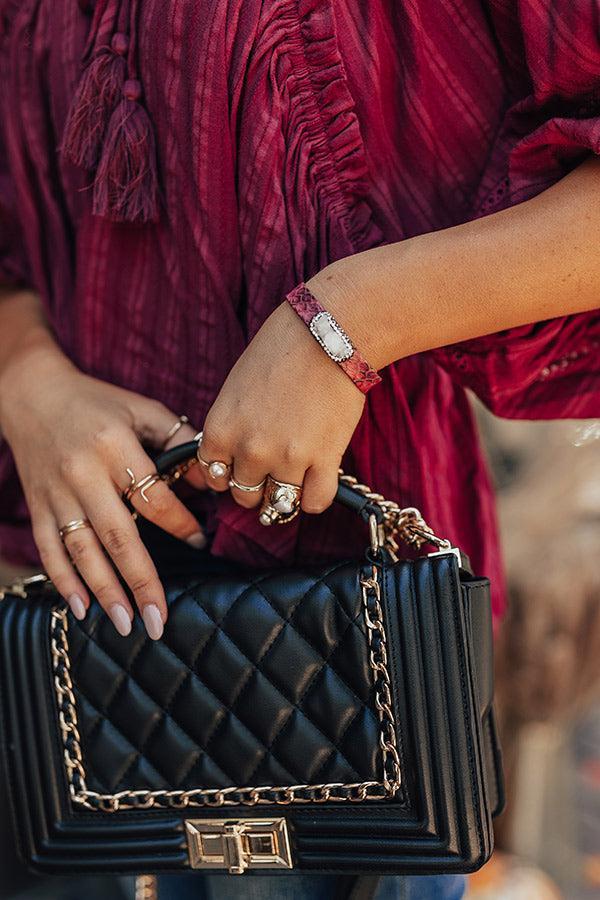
(238, 844)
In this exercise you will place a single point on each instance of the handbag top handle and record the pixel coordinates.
(387, 520)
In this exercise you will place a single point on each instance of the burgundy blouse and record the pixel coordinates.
(280, 135)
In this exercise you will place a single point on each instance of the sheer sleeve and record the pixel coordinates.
(551, 50)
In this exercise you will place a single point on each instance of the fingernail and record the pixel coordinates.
(77, 606)
(153, 621)
(120, 619)
(197, 540)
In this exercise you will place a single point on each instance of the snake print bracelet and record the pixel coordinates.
(332, 338)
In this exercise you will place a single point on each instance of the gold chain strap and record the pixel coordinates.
(405, 523)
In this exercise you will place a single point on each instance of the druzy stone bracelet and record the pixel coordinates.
(332, 338)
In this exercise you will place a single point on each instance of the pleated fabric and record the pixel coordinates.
(288, 134)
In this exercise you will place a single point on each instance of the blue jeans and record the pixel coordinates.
(304, 887)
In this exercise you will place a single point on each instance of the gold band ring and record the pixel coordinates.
(247, 488)
(216, 468)
(143, 485)
(181, 421)
(281, 503)
(75, 525)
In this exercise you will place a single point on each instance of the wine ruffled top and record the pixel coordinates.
(170, 170)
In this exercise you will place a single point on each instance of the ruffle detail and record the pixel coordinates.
(325, 190)
(549, 369)
(322, 112)
(543, 371)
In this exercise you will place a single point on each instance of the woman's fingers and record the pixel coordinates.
(154, 422)
(251, 460)
(58, 566)
(320, 487)
(157, 503)
(86, 554)
(117, 533)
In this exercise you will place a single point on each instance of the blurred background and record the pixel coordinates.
(547, 477)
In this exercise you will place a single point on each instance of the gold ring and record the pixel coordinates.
(75, 525)
(216, 468)
(181, 421)
(247, 488)
(281, 503)
(143, 485)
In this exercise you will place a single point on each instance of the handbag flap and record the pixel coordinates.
(264, 682)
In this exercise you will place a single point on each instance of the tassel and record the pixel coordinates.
(125, 188)
(97, 93)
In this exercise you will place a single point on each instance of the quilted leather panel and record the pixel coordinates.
(265, 681)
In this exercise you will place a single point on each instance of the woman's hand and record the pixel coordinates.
(286, 410)
(73, 439)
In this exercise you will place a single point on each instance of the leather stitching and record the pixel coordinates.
(121, 735)
(229, 709)
(301, 698)
(180, 727)
(325, 662)
(311, 644)
(255, 667)
(166, 709)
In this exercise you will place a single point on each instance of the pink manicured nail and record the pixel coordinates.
(197, 540)
(153, 621)
(77, 606)
(120, 619)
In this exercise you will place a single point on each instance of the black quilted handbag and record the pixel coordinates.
(318, 719)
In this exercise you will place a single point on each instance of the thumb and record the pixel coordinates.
(154, 424)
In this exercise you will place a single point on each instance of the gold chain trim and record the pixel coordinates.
(405, 523)
(232, 796)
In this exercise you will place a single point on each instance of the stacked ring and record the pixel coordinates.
(247, 488)
(143, 485)
(75, 525)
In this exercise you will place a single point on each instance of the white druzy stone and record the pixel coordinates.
(328, 333)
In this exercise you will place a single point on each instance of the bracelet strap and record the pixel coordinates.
(332, 338)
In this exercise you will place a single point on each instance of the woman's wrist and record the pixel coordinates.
(343, 291)
(351, 290)
(36, 359)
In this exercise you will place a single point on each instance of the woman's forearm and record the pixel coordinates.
(534, 261)
(23, 327)
(23, 332)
